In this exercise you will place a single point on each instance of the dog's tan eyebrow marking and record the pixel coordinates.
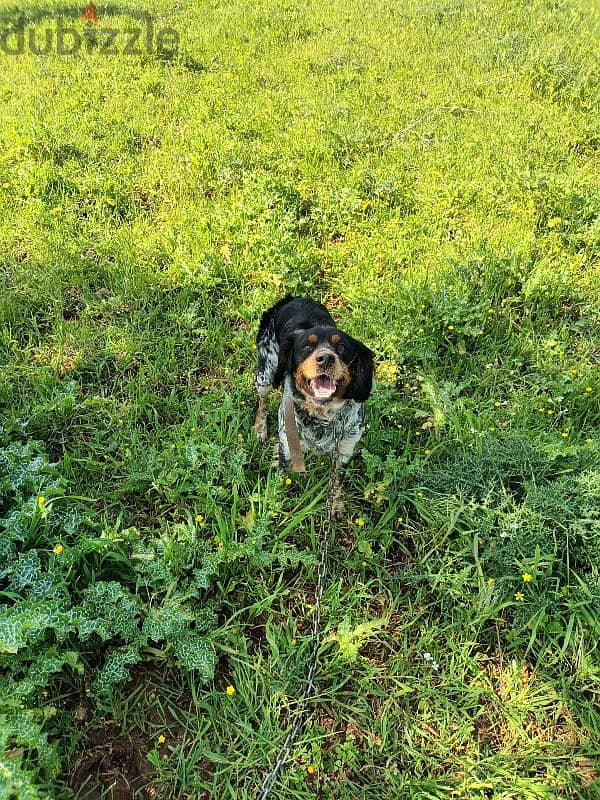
(313, 338)
(335, 339)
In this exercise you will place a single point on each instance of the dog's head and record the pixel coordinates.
(326, 363)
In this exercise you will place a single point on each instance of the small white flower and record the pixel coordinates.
(435, 665)
(427, 656)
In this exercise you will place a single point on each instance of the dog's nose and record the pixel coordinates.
(324, 360)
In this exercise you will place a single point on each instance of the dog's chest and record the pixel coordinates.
(324, 433)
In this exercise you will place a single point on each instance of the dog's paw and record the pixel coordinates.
(261, 431)
(337, 508)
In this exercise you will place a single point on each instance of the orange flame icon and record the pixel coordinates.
(89, 13)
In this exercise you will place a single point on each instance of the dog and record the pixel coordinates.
(326, 375)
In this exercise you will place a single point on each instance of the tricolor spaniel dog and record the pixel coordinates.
(326, 375)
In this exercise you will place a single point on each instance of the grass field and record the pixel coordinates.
(430, 171)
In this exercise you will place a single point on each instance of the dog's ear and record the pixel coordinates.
(362, 374)
(284, 363)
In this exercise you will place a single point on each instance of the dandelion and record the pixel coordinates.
(288, 481)
(199, 519)
(565, 434)
(427, 452)
(161, 739)
(550, 412)
(421, 330)
(450, 327)
(193, 430)
(573, 372)
(401, 519)
(360, 522)
(491, 310)
(419, 494)
(310, 769)
(497, 405)
(58, 549)
(490, 581)
(588, 441)
(230, 690)
(588, 389)
(519, 596)
(527, 577)
(41, 501)
(293, 642)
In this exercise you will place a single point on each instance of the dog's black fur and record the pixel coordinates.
(327, 373)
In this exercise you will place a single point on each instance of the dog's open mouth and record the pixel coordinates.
(323, 387)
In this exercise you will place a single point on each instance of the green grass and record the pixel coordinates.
(430, 171)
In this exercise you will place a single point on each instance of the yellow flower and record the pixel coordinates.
(193, 430)
(161, 739)
(527, 577)
(490, 581)
(491, 310)
(588, 389)
(310, 769)
(565, 434)
(554, 222)
(41, 501)
(573, 371)
(450, 327)
(199, 518)
(360, 522)
(419, 494)
(288, 481)
(588, 441)
(427, 452)
(550, 412)
(58, 549)
(400, 520)
(497, 405)
(387, 371)
(230, 690)
(421, 330)
(519, 596)
(293, 642)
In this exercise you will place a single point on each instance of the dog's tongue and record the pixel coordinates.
(323, 387)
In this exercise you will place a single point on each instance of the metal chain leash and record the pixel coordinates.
(282, 755)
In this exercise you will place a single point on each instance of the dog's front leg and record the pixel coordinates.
(260, 422)
(335, 501)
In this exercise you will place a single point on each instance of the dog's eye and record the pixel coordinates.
(340, 348)
(307, 348)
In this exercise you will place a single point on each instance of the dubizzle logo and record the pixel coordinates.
(138, 37)
(89, 13)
